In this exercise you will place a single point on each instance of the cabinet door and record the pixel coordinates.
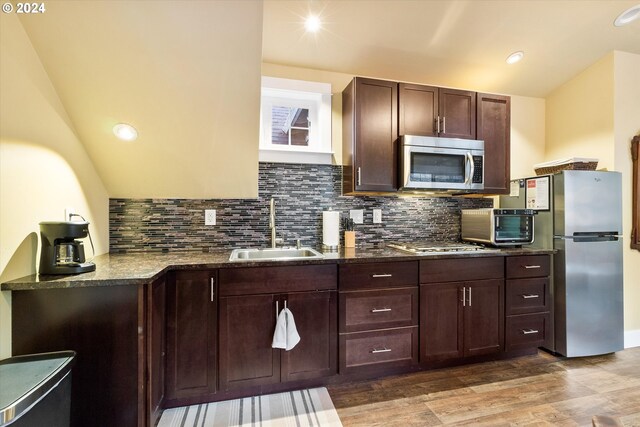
(316, 321)
(418, 110)
(376, 131)
(247, 324)
(191, 335)
(457, 113)
(494, 128)
(103, 324)
(156, 348)
(441, 322)
(484, 317)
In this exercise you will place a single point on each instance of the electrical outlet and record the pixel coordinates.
(377, 216)
(209, 217)
(67, 214)
(356, 215)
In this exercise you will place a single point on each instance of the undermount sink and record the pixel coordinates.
(274, 254)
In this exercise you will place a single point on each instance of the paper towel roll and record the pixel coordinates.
(330, 228)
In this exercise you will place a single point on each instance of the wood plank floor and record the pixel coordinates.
(534, 390)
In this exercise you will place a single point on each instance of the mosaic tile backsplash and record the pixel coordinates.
(302, 192)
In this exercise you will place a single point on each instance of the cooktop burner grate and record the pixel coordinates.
(436, 247)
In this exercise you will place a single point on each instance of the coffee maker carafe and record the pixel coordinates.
(61, 253)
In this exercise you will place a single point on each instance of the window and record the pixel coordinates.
(295, 121)
(635, 227)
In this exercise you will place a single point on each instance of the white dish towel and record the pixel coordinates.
(286, 335)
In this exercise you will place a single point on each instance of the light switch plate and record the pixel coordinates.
(377, 216)
(209, 217)
(357, 215)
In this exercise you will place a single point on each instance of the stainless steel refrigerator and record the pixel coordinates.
(580, 216)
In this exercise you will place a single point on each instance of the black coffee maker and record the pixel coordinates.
(61, 253)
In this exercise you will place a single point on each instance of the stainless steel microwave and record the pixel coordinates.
(430, 163)
(498, 227)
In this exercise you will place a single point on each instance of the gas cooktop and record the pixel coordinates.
(420, 248)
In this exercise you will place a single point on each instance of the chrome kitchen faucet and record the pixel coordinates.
(272, 223)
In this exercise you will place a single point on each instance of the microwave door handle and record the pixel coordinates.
(469, 177)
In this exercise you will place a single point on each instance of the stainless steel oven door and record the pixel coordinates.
(441, 168)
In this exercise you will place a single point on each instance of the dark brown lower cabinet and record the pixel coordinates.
(461, 319)
(247, 324)
(156, 349)
(246, 332)
(316, 321)
(191, 337)
(106, 326)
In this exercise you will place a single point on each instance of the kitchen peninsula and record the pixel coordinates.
(154, 330)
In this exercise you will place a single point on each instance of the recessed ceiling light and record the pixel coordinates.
(515, 57)
(312, 23)
(125, 132)
(627, 16)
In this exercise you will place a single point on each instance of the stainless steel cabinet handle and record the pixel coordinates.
(529, 331)
(359, 175)
(376, 276)
(464, 296)
(469, 296)
(528, 296)
(380, 310)
(444, 124)
(382, 350)
(438, 125)
(212, 289)
(277, 311)
(531, 266)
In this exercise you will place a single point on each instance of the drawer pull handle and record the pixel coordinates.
(531, 266)
(529, 331)
(529, 296)
(380, 310)
(381, 350)
(376, 276)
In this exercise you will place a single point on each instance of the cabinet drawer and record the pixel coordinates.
(280, 279)
(366, 310)
(526, 331)
(456, 270)
(378, 275)
(527, 266)
(527, 295)
(385, 347)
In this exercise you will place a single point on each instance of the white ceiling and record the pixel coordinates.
(451, 43)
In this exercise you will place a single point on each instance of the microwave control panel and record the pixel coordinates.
(477, 172)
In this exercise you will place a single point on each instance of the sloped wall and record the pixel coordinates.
(43, 166)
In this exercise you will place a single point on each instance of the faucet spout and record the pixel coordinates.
(272, 221)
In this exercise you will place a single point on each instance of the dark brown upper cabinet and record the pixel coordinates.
(635, 227)
(433, 111)
(494, 128)
(370, 131)
(376, 112)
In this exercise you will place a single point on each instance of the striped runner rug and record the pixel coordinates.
(300, 408)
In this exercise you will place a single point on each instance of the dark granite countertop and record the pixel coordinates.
(143, 267)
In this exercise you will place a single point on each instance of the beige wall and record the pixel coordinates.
(595, 115)
(43, 166)
(580, 116)
(527, 117)
(527, 135)
(626, 125)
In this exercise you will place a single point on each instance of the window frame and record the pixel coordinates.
(635, 226)
(313, 96)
